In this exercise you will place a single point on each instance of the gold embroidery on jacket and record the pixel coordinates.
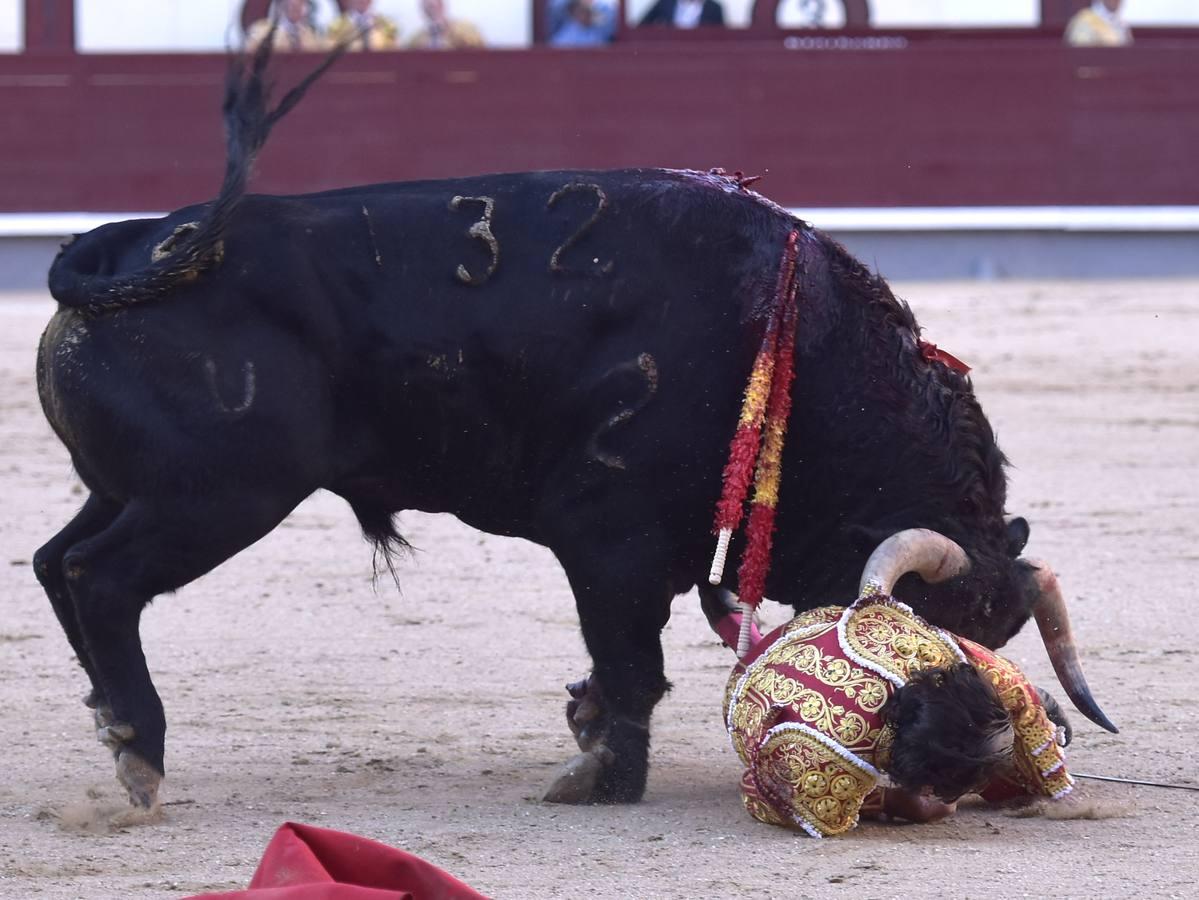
(1037, 759)
(803, 774)
(831, 697)
(894, 640)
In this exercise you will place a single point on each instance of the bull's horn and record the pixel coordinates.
(1054, 623)
(932, 556)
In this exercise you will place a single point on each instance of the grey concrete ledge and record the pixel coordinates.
(904, 243)
(839, 219)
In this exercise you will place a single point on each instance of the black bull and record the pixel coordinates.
(558, 356)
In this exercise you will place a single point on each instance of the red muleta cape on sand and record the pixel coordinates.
(303, 862)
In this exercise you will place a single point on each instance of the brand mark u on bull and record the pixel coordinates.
(557, 356)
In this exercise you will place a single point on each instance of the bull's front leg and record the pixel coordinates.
(590, 719)
(623, 599)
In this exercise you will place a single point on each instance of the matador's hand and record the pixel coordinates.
(901, 804)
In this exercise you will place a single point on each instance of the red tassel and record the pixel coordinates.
(737, 472)
(759, 533)
(933, 353)
(751, 577)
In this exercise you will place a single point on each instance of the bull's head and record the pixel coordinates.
(938, 560)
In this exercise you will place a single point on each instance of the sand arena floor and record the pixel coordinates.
(295, 691)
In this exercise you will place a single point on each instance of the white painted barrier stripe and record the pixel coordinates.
(1005, 218)
(61, 224)
(836, 219)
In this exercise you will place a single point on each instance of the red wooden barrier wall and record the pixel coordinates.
(1003, 121)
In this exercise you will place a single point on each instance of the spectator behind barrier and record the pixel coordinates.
(1099, 25)
(685, 13)
(295, 31)
(443, 33)
(375, 31)
(581, 23)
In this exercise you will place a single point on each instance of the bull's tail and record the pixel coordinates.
(78, 277)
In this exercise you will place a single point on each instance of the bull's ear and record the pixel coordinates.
(1017, 535)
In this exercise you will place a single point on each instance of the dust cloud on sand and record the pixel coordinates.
(433, 720)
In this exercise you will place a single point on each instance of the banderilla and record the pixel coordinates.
(1160, 784)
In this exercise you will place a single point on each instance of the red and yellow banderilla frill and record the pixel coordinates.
(766, 408)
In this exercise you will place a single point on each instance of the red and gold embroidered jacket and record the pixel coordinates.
(804, 711)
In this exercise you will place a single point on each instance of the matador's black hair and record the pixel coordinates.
(951, 732)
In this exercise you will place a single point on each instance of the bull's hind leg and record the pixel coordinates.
(112, 576)
(96, 515)
(623, 595)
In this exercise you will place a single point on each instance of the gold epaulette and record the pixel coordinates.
(820, 785)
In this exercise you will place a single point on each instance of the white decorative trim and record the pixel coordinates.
(1045, 773)
(784, 637)
(734, 699)
(840, 751)
(865, 600)
(948, 638)
(805, 825)
(856, 657)
(1063, 792)
(1045, 746)
(847, 755)
(739, 689)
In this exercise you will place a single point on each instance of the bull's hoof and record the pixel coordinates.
(597, 776)
(620, 782)
(615, 760)
(586, 713)
(138, 777)
(580, 777)
(140, 780)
